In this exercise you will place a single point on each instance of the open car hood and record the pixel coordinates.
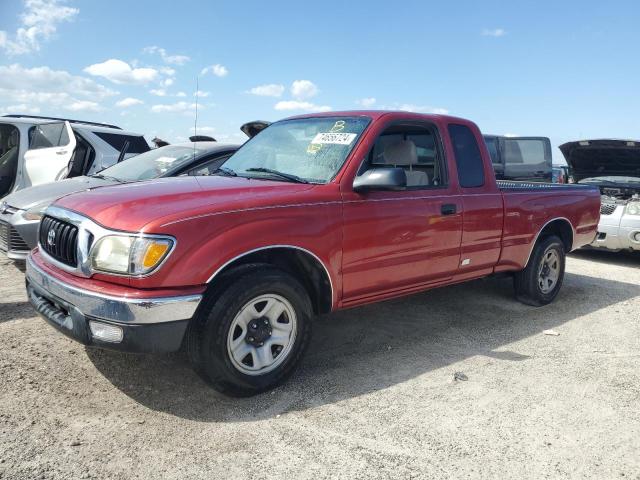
(251, 129)
(600, 158)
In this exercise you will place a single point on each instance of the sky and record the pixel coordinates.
(566, 70)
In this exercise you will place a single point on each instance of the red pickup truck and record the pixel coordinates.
(316, 213)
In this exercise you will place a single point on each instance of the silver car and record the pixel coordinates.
(20, 212)
(614, 166)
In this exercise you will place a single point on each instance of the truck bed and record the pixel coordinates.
(527, 186)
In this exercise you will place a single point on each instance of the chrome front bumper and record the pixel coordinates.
(618, 231)
(150, 325)
(114, 309)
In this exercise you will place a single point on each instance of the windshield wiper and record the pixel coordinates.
(107, 177)
(286, 176)
(225, 171)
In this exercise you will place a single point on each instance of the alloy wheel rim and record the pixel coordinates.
(549, 270)
(262, 334)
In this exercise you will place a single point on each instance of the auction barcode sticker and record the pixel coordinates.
(337, 138)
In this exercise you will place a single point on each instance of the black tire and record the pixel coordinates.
(527, 282)
(207, 335)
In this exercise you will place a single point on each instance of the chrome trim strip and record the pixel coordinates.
(270, 247)
(113, 308)
(573, 230)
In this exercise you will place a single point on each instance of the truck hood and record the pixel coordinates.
(599, 158)
(49, 192)
(147, 206)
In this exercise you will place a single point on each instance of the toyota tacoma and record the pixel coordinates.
(316, 213)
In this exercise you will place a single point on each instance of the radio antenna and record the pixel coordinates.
(195, 122)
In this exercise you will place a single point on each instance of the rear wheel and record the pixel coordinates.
(539, 283)
(250, 336)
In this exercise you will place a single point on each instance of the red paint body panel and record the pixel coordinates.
(374, 246)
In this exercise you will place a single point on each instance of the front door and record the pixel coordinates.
(395, 240)
(50, 148)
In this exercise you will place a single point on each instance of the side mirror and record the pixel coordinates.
(381, 179)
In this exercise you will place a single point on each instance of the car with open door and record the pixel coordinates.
(20, 212)
(614, 167)
(36, 150)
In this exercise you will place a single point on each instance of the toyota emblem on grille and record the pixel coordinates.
(51, 238)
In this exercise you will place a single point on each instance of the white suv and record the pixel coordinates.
(36, 150)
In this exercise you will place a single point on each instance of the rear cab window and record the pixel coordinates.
(468, 157)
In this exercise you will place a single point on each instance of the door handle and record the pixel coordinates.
(448, 209)
(61, 152)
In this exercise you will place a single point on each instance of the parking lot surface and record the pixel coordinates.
(552, 392)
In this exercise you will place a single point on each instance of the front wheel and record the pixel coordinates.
(250, 337)
(539, 283)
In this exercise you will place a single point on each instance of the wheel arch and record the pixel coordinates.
(561, 227)
(303, 264)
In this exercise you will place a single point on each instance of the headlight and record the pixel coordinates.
(129, 255)
(36, 212)
(633, 208)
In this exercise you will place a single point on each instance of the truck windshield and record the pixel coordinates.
(311, 149)
(152, 164)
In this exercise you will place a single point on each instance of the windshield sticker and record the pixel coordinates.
(335, 138)
(314, 148)
(338, 126)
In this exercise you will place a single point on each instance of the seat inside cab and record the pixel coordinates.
(9, 154)
(410, 147)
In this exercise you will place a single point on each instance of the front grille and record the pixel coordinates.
(608, 208)
(4, 236)
(16, 242)
(60, 240)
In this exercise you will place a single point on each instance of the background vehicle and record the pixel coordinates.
(614, 167)
(560, 174)
(316, 213)
(36, 150)
(20, 212)
(526, 159)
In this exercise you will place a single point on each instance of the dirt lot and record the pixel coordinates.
(374, 398)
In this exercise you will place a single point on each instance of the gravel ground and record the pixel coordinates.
(374, 398)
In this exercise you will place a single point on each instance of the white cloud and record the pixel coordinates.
(119, 72)
(129, 102)
(410, 107)
(511, 135)
(158, 92)
(22, 108)
(303, 89)
(268, 90)
(217, 69)
(179, 107)
(203, 130)
(40, 87)
(366, 102)
(201, 94)
(83, 106)
(173, 59)
(38, 22)
(167, 82)
(167, 71)
(496, 32)
(181, 94)
(299, 105)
